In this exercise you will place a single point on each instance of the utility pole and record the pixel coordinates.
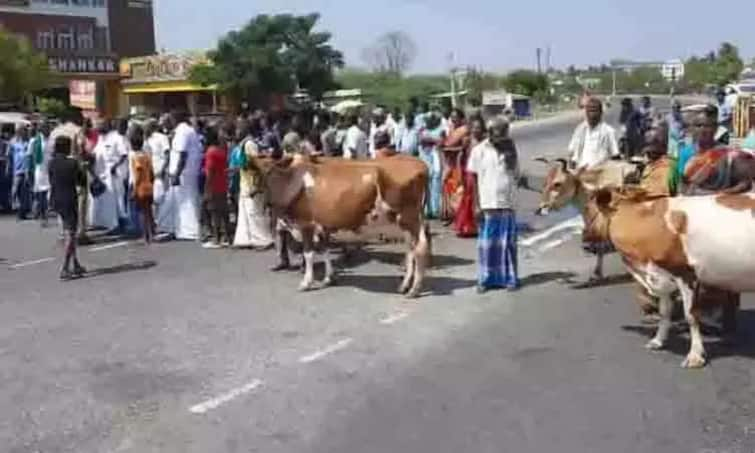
(548, 59)
(613, 71)
(453, 78)
(539, 52)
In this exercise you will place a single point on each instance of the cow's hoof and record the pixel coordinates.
(654, 345)
(304, 287)
(694, 361)
(413, 294)
(328, 281)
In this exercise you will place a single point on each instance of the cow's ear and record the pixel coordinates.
(603, 198)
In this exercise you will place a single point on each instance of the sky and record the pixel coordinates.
(495, 35)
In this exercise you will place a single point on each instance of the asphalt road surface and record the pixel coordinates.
(173, 348)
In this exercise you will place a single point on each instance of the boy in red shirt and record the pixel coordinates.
(216, 189)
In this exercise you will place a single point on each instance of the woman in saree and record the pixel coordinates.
(431, 137)
(455, 148)
(465, 223)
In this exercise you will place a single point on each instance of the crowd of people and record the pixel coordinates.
(176, 177)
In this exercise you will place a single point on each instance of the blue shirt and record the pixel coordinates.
(21, 154)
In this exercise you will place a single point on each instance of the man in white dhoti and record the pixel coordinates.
(109, 210)
(183, 173)
(158, 146)
(253, 225)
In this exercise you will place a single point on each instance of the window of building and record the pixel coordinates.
(82, 2)
(66, 39)
(59, 2)
(101, 39)
(98, 3)
(45, 39)
(85, 39)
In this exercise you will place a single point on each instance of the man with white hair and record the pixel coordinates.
(494, 166)
(379, 124)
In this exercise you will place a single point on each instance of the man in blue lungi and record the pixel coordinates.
(494, 163)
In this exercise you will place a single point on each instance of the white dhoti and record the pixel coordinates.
(253, 225)
(163, 213)
(104, 210)
(182, 210)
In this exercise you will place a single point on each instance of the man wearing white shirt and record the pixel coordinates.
(109, 210)
(183, 172)
(158, 146)
(355, 143)
(594, 142)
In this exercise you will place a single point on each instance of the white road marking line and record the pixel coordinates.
(108, 247)
(327, 350)
(554, 244)
(31, 263)
(224, 398)
(574, 223)
(392, 319)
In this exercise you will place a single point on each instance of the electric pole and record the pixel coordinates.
(548, 59)
(539, 52)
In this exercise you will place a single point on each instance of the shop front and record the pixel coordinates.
(91, 83)
(160, 83)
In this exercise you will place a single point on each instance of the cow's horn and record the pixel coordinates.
(564, 164)
(542, 159)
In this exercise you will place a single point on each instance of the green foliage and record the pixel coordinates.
(391, 90)
(716, 68)
(22, 69)
(52, 107)
(272, 54)
(526, 82)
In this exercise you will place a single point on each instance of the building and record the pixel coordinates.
(84, 40)
(157, 83)
(673, 70)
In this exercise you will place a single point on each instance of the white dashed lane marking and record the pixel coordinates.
(326, 351)
(394, 318)
(31, 263)
(108, 247)
(218, 401)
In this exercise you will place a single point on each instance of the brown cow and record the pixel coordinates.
(681, 243)
(321, 196)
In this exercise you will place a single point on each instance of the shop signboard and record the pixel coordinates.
(83, 65)
(159, 68)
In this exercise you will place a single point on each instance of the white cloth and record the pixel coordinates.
(158, 146)
(497, 186)
(106, 209)
(253, 225)
(355, 144)
(182, 201)
(590, 147)
(41, 174)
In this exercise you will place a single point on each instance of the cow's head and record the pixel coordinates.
(597, 214)
(282, 183)
(560, 186)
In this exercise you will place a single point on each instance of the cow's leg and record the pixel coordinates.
(597, 273)
(665, 307)
(421, 253)
(309, 258)
(408, 267)
(329, 272)
(696, 356)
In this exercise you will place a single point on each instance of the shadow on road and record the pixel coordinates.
(121, 268)
(678, 344)
(434, 286)
(611, 280)
(358, 257)
(546, 277)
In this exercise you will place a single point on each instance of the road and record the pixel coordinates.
(173, 348)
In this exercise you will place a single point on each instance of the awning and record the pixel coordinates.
(165, 87)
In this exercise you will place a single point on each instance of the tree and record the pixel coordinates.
(272, 54)
(22, 69)
(727, 66)
(393, 53)
(526, 82)
(392, 91)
